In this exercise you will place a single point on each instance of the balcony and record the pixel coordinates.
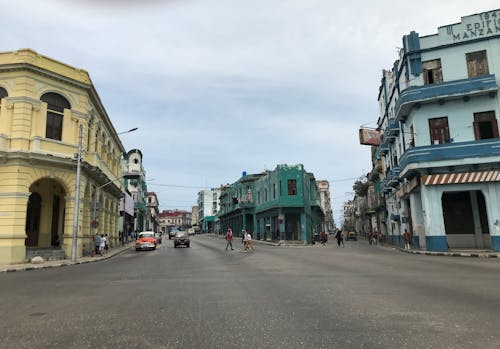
(384, 148)
(413, 97)
(392, 130)
(394, 176)
(141, 206)
(450, 154)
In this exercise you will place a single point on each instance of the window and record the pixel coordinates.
(292, 187)
(477, 63)
(265, 195)
(55, 112)
(432, 72)
(274, 190)
(439, 130)
(485, 125)
(3, 93)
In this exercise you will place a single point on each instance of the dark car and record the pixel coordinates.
(172, 232)
(181, 238)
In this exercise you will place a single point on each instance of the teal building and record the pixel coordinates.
(282, 204)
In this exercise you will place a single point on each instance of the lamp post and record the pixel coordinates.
(77, 195)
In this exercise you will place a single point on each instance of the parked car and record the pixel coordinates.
(181, 238)
(146, 241)
(352, 236)
(158, 238)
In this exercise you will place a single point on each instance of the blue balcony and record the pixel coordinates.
(394, 176)
(392, 128)
(450, 154)
(417, 95)
(384, 148)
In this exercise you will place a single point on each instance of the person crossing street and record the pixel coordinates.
(229, 239)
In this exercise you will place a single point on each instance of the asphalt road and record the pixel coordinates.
(307, 297)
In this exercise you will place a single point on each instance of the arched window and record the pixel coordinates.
(3, 93)
(55, 111)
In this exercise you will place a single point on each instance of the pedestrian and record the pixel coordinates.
(102, 244)
(370, 237)
(340, 238)
(322, 238)
(229, 239)
(406, 238)
(106, 241)
(97, 243)
(249, 244)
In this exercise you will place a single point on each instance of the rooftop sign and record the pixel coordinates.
(472, 27)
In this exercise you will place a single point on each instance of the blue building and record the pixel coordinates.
(440, 145)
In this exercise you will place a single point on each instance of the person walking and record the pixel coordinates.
(102, 244)
(249, 244)
(323, 238)
(406, 238)
(229, 239)
(97, 243)
(340, 238)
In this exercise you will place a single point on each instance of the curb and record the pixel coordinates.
(65, 262)
(452, 254)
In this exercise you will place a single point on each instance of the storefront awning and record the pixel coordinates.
(462, 178)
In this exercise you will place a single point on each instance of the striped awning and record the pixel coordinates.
(462, 178)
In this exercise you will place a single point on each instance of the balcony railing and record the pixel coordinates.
(450, 154)
(415, 95)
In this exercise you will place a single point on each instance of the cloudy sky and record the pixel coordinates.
(217, 87)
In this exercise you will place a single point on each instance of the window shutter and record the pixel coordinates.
(494, 125)
(477, 135)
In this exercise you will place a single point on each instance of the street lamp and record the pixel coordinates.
(76, 210)
(131, 130)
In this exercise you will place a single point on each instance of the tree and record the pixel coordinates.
(360, 188)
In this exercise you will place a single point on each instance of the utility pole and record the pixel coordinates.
(77, 195)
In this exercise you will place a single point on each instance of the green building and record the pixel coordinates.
(274, 205)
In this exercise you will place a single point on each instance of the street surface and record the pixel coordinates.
(359, 296)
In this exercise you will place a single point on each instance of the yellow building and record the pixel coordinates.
(43, 104)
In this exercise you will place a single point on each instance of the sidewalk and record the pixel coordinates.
(453, 253)
(65, 262)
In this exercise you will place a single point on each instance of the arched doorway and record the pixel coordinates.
(45, 214)
(33, 219)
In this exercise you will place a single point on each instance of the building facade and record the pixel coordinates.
(135, 183)
(440, 141)
(175, 218)
(282, 204)
(152, 213)
(326, 206)
(46, 109)
(208, 207)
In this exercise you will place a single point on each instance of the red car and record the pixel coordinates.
(146, 241)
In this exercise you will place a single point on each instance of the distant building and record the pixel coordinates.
(281, 204)
(440, 146)
(136, 186)
(326, 206)
(152, 212)
(175, 218)
(208, 207)
(194, 218)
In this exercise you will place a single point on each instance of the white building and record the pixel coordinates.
(440, 147)
(208, 207)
